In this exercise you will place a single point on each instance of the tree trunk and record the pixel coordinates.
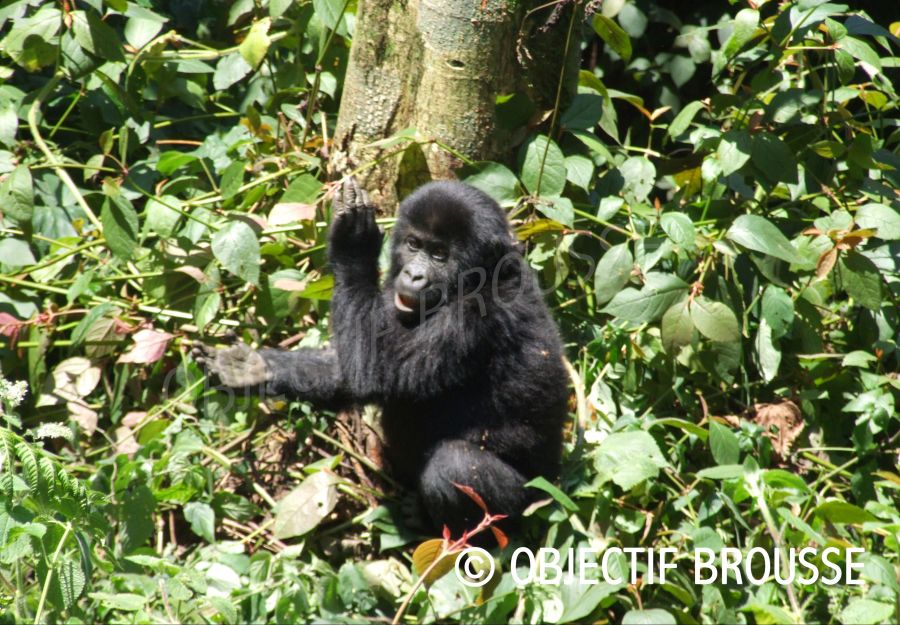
(436, 66)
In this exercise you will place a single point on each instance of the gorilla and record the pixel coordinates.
(457, 348)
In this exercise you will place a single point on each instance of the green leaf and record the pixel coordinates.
(580, 171)
(774, 159)
(120, 226)
(884, 219)
(329, 11)
(760, 235)
(768, 356)
(583, 113)
(561, 498)
(734, 151)
(861, 279)
(67, 584)
(684, 118)
(140, 31)
(229, 70)
(866, 612)
(559, 209)
(237, 248)
(137, 517)
(629, 458)
(640, 176)
(545, 176)
(301, 510)
(777, 310)
(861, 51)
(648, 617)
(202, 519)
(96, 36)
(31, 43)
(125, 601)
(723, 444)
(159, 218)
(677, 328)
(715, 320)
(679, 228)
(657, 296)
(498, 182)
(743, 30)
(17, 195)
(613, 272)
(232, 179)
(15, 253)
(843, 512)
(722, 472)
(255, 46)
(613, 35)
(303, 189)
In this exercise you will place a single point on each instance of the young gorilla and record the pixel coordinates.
(458, 349)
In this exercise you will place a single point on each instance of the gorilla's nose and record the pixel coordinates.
(415, 279)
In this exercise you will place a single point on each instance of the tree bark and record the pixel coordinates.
(437, 66)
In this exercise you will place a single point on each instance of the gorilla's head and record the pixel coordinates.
(448, 236)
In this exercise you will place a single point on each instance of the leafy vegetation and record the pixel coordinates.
(714, 218)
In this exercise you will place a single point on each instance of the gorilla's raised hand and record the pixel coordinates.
(354, 235)
(238, 366)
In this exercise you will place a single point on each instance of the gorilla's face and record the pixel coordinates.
(426, 265)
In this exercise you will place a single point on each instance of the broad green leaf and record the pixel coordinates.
(15, 253)
(768, 356)
(884, 219)
(255, 46)
(120, 226)
(866, 612)
(777, 310)
(32, 43)
(640, 176)
(733, 151)
(544, 167)
(613, 272)
(659, 293)
(677, 328)
(306, 506)
(613, 35)
(329, 11)
(843, 512)
(229, 70)
(654, 616)
(583, 113)
(17, 195)
(232, 179)
(303, 189)
(861, 51)
(715, 320)
(140, 31)
(96, 36)
(629, 458)
(760, 235)
(202, 519)
(684, 118)
(680, 229)
(861, 279)
(774, 158)
(125, 601)
(743, 30)
(558, 209)
(498, 182)
(160, 218)
(580, 171)
(722, 472)
(136, 516)
(67, 584)
(9, 126)
(723, 444)
(237, 248)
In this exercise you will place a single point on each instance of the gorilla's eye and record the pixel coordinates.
(413, 243)
(439, 253)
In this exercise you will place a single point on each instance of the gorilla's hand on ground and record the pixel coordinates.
(238, 366)
(354, 233)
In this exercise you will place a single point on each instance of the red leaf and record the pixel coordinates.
(149, 346)
(470, 492)
(502, 540)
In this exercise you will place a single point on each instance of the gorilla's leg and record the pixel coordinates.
(500, 486)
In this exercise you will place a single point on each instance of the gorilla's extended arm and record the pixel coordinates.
(354, 244)
(309, 374)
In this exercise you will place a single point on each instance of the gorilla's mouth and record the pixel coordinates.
(405, 303)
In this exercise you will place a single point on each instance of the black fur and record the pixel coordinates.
(472, 385)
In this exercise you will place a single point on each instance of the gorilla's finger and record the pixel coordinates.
(364, 197)
(349, 189)
(230, 337)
